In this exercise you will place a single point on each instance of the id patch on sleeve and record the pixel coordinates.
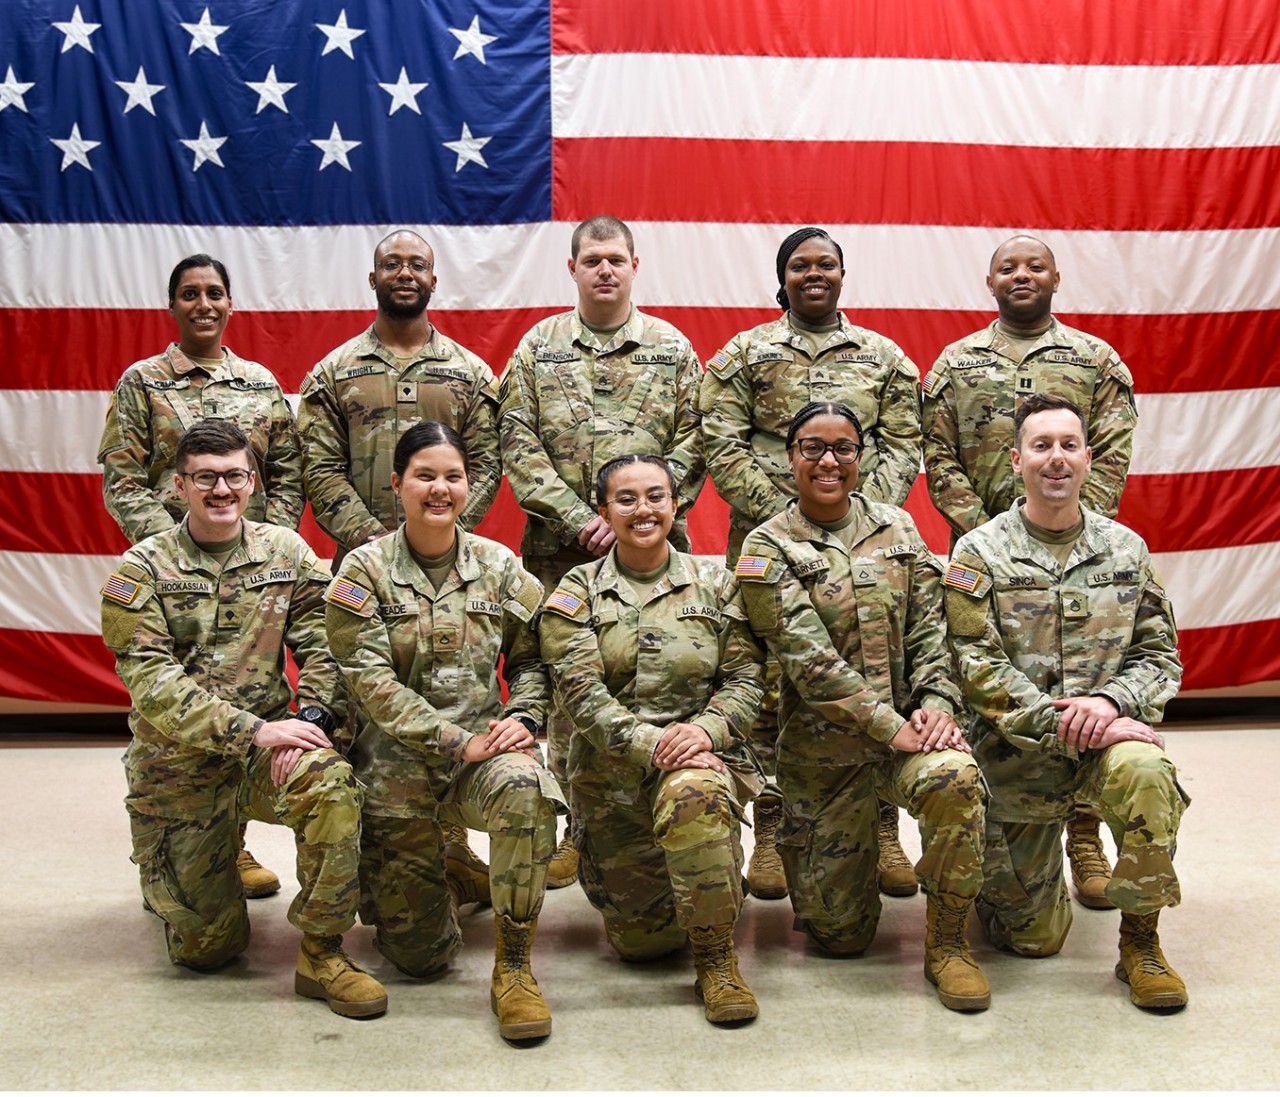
(932, 382)
(719, 362)
(565, 603)
(963, 578)
(344, 593)
(753, 567)
(120, 590)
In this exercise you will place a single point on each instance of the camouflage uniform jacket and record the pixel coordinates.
(355, 405)
(858, 632)
(625, 672)
(571, 404)
(154, 403)
(202, 654)
(971, 394)
(422, 664)
(1026, 630)
(756, 384)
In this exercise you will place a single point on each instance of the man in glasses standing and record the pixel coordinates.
(199, 618)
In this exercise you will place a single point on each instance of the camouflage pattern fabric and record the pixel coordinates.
(970, 398)
(570, 404)
(1026, 630)
(155, 402)
(357, 402)
(756, 384)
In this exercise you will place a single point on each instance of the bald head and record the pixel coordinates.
(1023, 278)
(1024, 241)
(403, 276)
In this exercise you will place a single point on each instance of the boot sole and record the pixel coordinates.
(562, 882)
(1171, 1000)
(897, 891)
(967, 1003)
(261, 891)
(768, 892)
(1091, 903)
(309, 988)
(520, 1030)
(728, 1015)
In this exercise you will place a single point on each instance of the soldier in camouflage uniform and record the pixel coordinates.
(199, 618)
(583, 388)
(418, 622)
(970, 396)
(849, 600)
(652, 659)
(160, 397)
(1068, 653)
(753, 388)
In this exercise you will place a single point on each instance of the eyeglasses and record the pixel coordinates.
(207, 480)
(814, 449)
(392, 266)
(627, 504)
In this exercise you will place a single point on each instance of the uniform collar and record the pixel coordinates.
(865, 523)
(630, 332)
(405, 571)
(182, 365)
(990, 338)
(433, 350)
(1093, 540)
(609, 578)
(253, 549)
(782, 333)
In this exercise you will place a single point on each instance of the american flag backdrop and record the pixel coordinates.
(286, 137)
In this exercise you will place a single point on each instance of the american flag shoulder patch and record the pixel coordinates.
(962, 578)
(563, 602)
(119, 589)
(343, 592)
(718, 361)
(931, 382)
(752, 567)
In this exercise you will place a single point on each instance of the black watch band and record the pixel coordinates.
(314, 714)
(531, 725)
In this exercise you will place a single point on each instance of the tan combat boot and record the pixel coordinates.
(464, 872)
(765, 876)
(514, 993)
(328, 973)
(257, 881)
(563, 869)
(1090, 869)
(1153, 984)
(948, 964)
(897, 873)
(725, 997)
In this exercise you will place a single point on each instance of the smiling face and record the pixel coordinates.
(214, 514)
(202, 306)
(642, 533)
(824, 485)
(604, 271)
(433, 491)
(1023, 280)
(813, 280)
(403, 276)
(1053, 460)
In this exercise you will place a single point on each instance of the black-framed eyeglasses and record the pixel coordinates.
(392, 266)
(627, 504)
(844, 451)
(207, 480)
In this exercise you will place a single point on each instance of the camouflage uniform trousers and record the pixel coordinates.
(402, 879)
(662, 861)
(188, 866)
(1024, 905)
(829, 848)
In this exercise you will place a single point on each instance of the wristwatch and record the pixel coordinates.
(314, 714)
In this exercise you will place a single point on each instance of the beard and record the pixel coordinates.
(401, 310)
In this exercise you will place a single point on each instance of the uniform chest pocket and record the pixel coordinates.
(1110, 601)
(1024, 601)
(443, 395)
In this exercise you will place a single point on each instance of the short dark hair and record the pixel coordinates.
(211, 436)
(401, 232)
(600, 227)
(1045, 401)
(424, 435)
(822, 407)
(610, 467)
(809, 232)
(191, 262)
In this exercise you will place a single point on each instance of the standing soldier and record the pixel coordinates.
(199, 618)
(1068, 653)
(752, 390)
(969, 401)
(160, 397)
(582, 388)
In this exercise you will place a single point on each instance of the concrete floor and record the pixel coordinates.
(88, 999)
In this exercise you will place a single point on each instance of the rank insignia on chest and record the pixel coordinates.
(345, 593)
(563, 602)
(962, 578)
(1026, 384)
(752, 567)
(119, 589)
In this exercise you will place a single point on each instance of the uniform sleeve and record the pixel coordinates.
(892, 461)
(319, 678)
(571, 653)
(950, 488)
(528, 685)
(283, 467)
(1113, 415)
(784, 617)
(538, 488)
(125, 453)
(326, 466)
(480, 435)
(359, 641)
(725, 400)
(739, 683)
(925, 637)
(686, 454)
(160, 689)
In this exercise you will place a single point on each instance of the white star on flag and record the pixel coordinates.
(204, 34)
(335, 149)
(205, 147)
(339, 35)
(271, 92)
(140, 92)
(468, 148)
(77, 33)
(472, 41)
(75, 149)
(11, 92)
(403, 93)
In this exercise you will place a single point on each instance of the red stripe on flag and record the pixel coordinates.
(1230, 654)
(1076, 32)
(1204, 510)
(908, 183)
(59, 666)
